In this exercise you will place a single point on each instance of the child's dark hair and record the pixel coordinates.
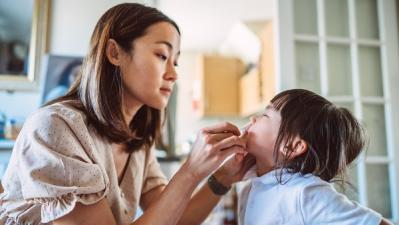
(333, 136)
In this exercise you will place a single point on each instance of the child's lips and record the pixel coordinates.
(244, 135)
(244, 130)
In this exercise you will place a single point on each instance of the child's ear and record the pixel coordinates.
(299, 147)
(113, 52)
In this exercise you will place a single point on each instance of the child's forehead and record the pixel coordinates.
(271, 107)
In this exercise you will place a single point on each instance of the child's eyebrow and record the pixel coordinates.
(269, 107)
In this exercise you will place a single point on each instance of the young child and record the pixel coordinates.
(301, 143)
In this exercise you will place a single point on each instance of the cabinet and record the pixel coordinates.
(259, 85)
(219, 80)
(267, 72)
(250, 93)
(226, 90)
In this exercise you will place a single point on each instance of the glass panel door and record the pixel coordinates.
(340, 51)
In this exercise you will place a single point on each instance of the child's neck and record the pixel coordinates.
(262, 169)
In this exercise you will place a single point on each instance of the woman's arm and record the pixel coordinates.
(199, 206)
(205, 200)
(95, 214)
(212, 147)
(171, 202)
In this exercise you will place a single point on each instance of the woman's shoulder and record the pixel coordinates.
(61, 113)
(55, 122)
(59, 127)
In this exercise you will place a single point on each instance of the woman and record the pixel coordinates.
(86, 158)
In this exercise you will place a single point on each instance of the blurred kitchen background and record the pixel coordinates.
(236, 55)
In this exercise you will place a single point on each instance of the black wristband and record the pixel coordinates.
(216, 187)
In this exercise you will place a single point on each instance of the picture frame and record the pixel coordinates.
(23, 43)
(60, 72)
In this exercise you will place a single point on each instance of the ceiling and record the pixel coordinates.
(206, 23)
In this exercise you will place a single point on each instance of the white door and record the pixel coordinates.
(346, 50)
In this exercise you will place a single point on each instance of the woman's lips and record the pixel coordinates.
(166, 90)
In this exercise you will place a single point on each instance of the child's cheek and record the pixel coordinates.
(255, 143)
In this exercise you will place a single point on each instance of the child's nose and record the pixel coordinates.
(253, 119)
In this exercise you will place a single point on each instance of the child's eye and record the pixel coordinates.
(176, 64)
(264, 114)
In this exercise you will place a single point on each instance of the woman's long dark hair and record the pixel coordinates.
(333, 136)
(98, 90)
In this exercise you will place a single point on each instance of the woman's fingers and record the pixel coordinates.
(213, 146)
(222, 127)
(214, 138)
(229, 142)
(230, 151)
(238, 157)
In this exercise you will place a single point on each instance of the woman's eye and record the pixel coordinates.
(162, 57)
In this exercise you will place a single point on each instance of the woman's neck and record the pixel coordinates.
(130, 108)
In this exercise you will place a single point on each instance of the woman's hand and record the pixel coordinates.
(213, 145)
(234, 169)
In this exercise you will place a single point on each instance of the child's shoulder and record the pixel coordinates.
(312, 189)
(321, 203)
(302, 181)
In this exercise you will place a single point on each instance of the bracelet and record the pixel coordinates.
(216, 187)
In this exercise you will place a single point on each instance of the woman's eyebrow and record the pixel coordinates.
(170, 46)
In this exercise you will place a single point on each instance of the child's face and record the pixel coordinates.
(262, 135)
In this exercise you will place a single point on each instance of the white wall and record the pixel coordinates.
(72, 23)
(18, 104)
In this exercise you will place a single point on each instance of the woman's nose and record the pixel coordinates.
(171, 74)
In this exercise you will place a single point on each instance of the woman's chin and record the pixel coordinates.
(161, 105)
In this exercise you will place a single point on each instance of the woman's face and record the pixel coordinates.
(148, 72)
(262, 135)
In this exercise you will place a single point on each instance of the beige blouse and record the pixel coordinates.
(59, 160)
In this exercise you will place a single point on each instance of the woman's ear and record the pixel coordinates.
(113, 52)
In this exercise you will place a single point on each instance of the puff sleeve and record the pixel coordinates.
(53, 165)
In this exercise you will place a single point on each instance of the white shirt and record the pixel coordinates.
(300, 199)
